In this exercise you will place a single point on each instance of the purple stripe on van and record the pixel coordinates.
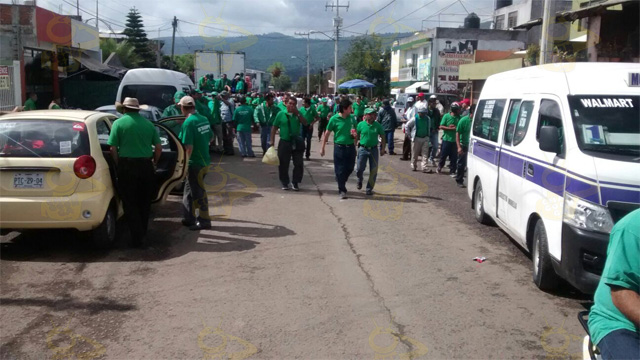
(611, 194)
(485, 152)
(582, 190)
(547, 178)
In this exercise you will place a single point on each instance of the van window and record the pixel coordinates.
(511, 121)
(159, 96)
(550, 115)
(524, 115)
(486, 122)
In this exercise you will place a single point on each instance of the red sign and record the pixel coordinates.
(4, 70)
(52, 27)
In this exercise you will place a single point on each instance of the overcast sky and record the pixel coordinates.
(284, 16)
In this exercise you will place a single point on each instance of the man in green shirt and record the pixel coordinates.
(30, 104)
(291, 145)
(241, 86)
(614, 318)
(196, 135)
(323, 111)
(358, 109)
(310, 114)
(462, 141)
(367, 134)
(264, 115)
(243, 117)
(418, 128)
(174, 110)
(206, 83)
(449, 124)
(202, 106)
(131, 140)
(344, 151)
(216, 124)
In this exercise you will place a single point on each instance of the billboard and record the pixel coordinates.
(452, 54)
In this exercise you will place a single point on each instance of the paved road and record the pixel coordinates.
(286, 275)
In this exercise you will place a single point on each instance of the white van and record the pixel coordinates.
(154, 87)
(554, 160)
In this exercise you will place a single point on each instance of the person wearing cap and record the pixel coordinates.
(196, 135)
(421, 102)
(358, 109)
(291, 146)
(131, 141)
(435, 116)
(449, 150)
(464, 107)
(343, 125)
(419, 128)
(227, 108)
(216, 123)
(462, 141)
(264, 115)
(241, 86)
(174, 110)
(367, 133)
(389, 121)
(243, 118)
(202, 106)
(409, 113)
(306, 131)
(323, 111)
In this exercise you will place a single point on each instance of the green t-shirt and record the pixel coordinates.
(448, 119)
(196, 132)
(265, 115)
(287, 124)
(240, 85)
(206, 85)
(369, 133)
(202, 107)
(309, 114)
(133, 136)
(29, 105)
(171, 110)
(422, 126)
(55, 107)
(464, 128)
(342, 129)
(214, 106)
(622, 269)
(358, 109)
(243, 116)
(323, 111)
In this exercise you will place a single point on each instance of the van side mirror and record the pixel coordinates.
(549, 139)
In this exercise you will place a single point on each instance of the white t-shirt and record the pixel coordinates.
(421, 104)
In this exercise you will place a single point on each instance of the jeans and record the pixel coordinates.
(620, 344)
(194, 197)
(244, 143)
(217, 137)
(306, 132)
(227, 137)
(344, 159)
(265, 137)
(136, 185)
(449, 149)
(462, 164)
(433, 138)
(285, 155)
(389, 136)
(420, 147)
(372, 156)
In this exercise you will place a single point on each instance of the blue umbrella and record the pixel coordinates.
(356, 84)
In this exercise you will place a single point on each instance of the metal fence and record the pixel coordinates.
(10, 94)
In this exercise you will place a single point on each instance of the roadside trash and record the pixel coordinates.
(271, 157)
(480, 259)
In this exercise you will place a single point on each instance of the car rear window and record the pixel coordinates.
(43, 138)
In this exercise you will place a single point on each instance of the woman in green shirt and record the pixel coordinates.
(344, 150)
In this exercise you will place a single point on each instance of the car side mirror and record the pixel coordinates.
(549, 139)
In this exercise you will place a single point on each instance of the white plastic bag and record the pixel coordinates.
(271, 157)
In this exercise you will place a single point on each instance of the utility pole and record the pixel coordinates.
(337, 23)
(546, 42)
(97, 17)
(174, 23)
(308, 74)
(78, 6)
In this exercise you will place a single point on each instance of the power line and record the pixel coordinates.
(370, 16)
(402, 18)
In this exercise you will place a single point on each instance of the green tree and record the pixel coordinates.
(282, 82)
(185, 63)
(301, 85)
(276, 69)
(125, 51)
(138, 38)
(368, 59)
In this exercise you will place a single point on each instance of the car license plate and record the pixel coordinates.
(28, 180)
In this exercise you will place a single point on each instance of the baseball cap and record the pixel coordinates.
(423, 110)
(410, 99)
(455, 105)
(187, 101)
(433, 97)
(421, 95)
(369, 111)
(197, 91)
(465, 101)
(179, 95)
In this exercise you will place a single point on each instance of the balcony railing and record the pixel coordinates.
(408, 74)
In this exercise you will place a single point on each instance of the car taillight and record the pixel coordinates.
(84, 167)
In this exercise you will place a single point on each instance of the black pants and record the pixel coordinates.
(450, 150)
(285, 154)
(136, 185)
(322, 126)
(406, 148)
(307, 133)
(344, 159)
(227, 137)
(462, 164)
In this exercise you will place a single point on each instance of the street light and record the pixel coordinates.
(307, 61)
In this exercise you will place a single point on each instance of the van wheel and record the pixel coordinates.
(544, 276)
(104, 236)
(478, 201)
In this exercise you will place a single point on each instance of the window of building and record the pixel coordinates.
(513, 20)
(500, 22)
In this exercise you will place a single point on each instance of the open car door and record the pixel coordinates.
(172, 166)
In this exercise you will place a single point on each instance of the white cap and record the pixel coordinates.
(187, 101)
(410, 99)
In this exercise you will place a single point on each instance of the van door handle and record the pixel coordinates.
(529, 169)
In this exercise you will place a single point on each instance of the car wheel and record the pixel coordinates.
(544, 276)
(481, 216)
(104, 236)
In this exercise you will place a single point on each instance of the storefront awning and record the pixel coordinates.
(423, 86)
(94, 65)
(482, 70)
(573, 15)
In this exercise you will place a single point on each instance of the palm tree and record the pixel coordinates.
(125, 51)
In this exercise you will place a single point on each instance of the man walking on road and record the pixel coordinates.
(264, 115)
(358, 109)
(131, 140)
(306, 131)
(243, 117)
(344, 151)
(323, 111)
(419, 127)
(448, 124)
(462, 141)
(367, 138)
(434, 115)
(409, 113)
(195, 135)
(291, 145)
(389, 121)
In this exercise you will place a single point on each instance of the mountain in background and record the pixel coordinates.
(263, 50)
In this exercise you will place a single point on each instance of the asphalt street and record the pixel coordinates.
(290, 275)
